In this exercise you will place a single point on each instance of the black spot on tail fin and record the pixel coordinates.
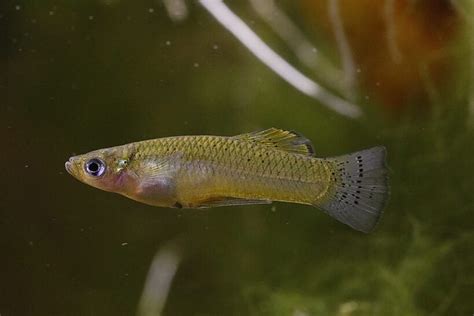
(360, 190)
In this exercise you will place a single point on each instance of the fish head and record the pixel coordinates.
(105, 169)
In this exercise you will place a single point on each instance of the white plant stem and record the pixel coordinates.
(270, 58)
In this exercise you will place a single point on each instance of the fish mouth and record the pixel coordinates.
(68, 165)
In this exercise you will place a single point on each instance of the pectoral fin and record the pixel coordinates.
(157, 170)
(155, 182)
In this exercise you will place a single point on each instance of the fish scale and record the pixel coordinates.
(234, 172)
(269, 170)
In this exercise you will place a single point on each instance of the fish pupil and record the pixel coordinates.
(93, 167)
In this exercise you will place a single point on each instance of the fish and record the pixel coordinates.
(253, 168)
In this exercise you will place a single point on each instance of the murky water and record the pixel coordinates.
(86, 75)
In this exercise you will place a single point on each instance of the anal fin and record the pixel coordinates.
(229, 201)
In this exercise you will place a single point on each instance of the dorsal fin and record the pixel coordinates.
(289, 141)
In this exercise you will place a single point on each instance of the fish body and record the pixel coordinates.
(253, 168)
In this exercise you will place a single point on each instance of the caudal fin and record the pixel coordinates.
(361, 189)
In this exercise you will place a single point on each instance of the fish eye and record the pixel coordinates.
(95, 167)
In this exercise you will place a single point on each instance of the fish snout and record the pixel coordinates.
(69, 165)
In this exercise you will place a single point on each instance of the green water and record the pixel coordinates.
(85, 75)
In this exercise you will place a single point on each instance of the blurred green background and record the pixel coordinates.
(82, 75)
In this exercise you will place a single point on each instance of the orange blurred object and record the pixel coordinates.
(400, 47)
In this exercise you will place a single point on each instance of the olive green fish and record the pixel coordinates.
(253, 168)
